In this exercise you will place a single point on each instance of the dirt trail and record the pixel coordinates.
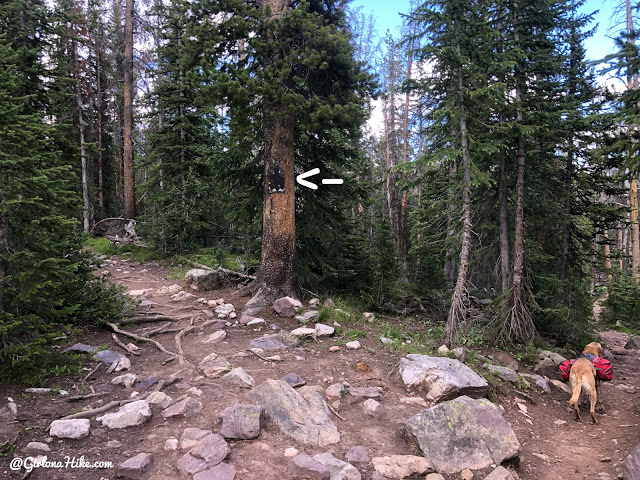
(554, 446)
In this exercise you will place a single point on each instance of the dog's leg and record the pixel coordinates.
(600, 403)
(576, 386)
(593, 399)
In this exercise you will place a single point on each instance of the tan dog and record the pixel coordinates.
(583, 375)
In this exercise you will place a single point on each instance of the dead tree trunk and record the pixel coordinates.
(129, 173)
(86, 205)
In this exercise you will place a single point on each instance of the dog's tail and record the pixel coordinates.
(575, 398)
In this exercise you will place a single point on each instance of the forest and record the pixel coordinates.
(481, 157)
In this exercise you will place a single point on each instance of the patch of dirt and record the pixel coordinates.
(550, 449)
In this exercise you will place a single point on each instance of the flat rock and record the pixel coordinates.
(386, 341)
(147, 382)
(561, 386)
(225, 309)
(323, 330)
(256, 321)
(208, 453)
(238, 377)
(633, 343)
(80, 347)
(360, 393)
(631, 466)
(185, 408)
(109, 356)
(414, 401)
(136, 468)
(463, 433)
(74, 428)
(168, 290)
(275, 341)
(129, 415)
(128, 380)
(540, 381)
(308, 316)
(213, 365)
(357, 454)
(216, 337)
(294, 380)
(191, 437)
(287, 306)
(631, 389)
(301, 414)
(434, 476)
(202, 279)
(401, 466)
(36, 448)
(303, 331)
(441, 378)
(500, 473)
(504, 373)
(159, 398)
(182, 296)
(303, 465)
(241, 421)
(338, 470)
(222, 471)
(171, 444)
(335, 390)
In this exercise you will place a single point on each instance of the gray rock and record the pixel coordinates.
(213, 365)
(323, 330)
(368, 317)
(159, 398)
(561, 386)
(633, 343)
(192, 436)
(128, 380)
(301, 414)
(80, 347)
(401, 466)
(314, 303)
(329, 303)
(308, 316)
(74, 428)
(36, 448)
(147, 382)
(626, 388)
(286, 306)
(182, 296)
(441, 378)
(171, 444)
(129, 415)
(185, 408)
(434, 476)
(354, 345)
(360, 393)
(463, 433)
(500, 473)
(216, 337)
(502, 372)
(109, 356)
(374, 409)
(548, 363)
(357, 454)
(137, 467)
(338, 470)
(294, 380)
(241, 421)
(303, 465)
(239, 377)
(386, 341)
(222, 471)
(541, 382)
(225, 309)
(303, 331)
(202, 279)
(335, 390)
(208, 453)
(275, 341)
(631, 467)
(113, 444)
(245, 319)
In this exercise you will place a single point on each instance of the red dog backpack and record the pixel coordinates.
(565, 369)
(604, 369)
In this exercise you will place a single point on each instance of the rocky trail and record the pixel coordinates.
(205, 394)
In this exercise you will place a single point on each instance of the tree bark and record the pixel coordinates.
(86, 205)
(503, 218)
(129, 173)
(99, 114)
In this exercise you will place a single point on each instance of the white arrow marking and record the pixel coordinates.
(301, 178)
(332, 181)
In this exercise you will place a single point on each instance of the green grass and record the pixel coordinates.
(102, 246)
(355, 334)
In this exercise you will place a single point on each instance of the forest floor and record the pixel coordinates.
(554, 446)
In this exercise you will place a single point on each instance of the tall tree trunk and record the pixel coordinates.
(99, 116)
(86, 205)
(129, 173)
(4, 243)
(277, 275)
(632, 83)
(503, 219)
(457, 312)
(566, 229)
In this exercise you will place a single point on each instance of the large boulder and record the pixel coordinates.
(548, 363)
(301, 414)
(463, 433)
(241, 421)
(202, 279)
(287, 306)
(631, 467)
(633, 343)
(441, 378)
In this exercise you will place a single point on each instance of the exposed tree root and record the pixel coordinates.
(457, 315)
(513, 323)
(263, 296)
(123, 346)
(178, 338)
(148, 319)
(141, 339)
